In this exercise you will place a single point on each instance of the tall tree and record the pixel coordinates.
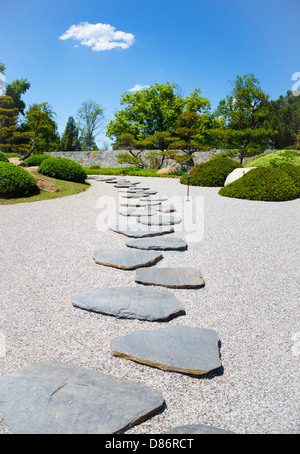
(16, 89)
(70, 139)
(8, 125)
(40, 129)
(90, 120)
(243, 114)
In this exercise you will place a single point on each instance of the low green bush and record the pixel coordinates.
(36, 159)
(266, 184)
(15, 181)
(276, 159)
(211, 173)
(3, 158)
(63, 169)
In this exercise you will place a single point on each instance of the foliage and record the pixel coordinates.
(36, 159)
(284, 117)
(276, 159)
(63, 169)
(90, 120)
(131, 171)
(266, 184)
(15, 90)
(70, 139)
(40, 129)
(3, 157)
(211, 173)
(242, 116)
(15, 181)
(8, 125)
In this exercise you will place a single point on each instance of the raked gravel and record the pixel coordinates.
(248, 253)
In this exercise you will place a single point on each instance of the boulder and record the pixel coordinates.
(167, 170)
(236, 174)
(17, 162)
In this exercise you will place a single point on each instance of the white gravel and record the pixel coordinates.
(249, 258)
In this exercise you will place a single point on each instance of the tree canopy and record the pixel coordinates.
(90, 121)
(70, 139)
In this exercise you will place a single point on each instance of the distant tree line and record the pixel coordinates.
(158, 118)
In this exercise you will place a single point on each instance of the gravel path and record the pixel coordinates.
(249, 258)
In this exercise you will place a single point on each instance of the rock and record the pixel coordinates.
(18, 162)
(155, 198)
(136, 231)
(131, 303)
(166, 208)
(125, 259)
(166, 170)
(135, 195)
(182, 349)
(236, 174)
(160, 219)
(55, 398)
(138, 212)
(200, 429)
(43, 185)
(138, 203)
(171, 277)
(158, 244)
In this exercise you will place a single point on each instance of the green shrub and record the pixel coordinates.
(63, 169)
(276, 159)
(3, 158)
(265, 183)
(36, 159)
(13, 155)
(15, 181)
(211, 173)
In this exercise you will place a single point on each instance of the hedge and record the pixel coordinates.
(63, 169)
(15, 181)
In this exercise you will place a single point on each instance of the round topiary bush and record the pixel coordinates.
(15, 181)
(266, 184)
(211, 173)
(36, 159)
(63, 169)
(3, 158)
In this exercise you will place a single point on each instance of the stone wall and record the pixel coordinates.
(109, 158)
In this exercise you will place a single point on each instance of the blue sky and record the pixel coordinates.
(110, 47)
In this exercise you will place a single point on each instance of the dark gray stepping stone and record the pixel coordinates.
(56, 398)
(141, 231)
(131, 302)
(138, 212)
(124, 259)
(171, 277)
(160, 219)
(200, 429)
(182, 349)
(159, 244)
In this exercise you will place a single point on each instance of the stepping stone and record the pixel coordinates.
(158, 244)
(138, 212)
(136, 195)
(126, 260)
(160, 219)
(166, 208)
(50, 397)
(138, 203)
(131, 303)
(155, 198)
(171, 277)
(191, 429)
(136, 231)
(184, 349)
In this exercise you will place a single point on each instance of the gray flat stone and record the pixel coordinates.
(143, 211)
(154, 198)
(138, 203)
(136, 195)
(182, 349)
(55, 398)
(200, 429)
(158, 244)
(166, 208)
(160, 219)
(141, 231)
(125, 259)
(131, 303)
(171, 277)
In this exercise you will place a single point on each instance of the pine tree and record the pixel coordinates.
(8, 126)
(70, 139)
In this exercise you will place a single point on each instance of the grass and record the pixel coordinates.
(133, 171)
(66, 188)
(276, 159)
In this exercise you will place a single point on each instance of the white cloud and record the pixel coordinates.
(139, 87)
(99, 36)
